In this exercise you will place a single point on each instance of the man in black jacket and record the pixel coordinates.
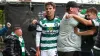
(91, 32)
(14, 44)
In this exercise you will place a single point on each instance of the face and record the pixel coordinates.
(90, 15)
(18, 32)
(74, 10)
(50, 11)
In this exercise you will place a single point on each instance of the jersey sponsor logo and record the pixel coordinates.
(50, 31)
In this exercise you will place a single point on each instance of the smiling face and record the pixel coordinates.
(91, 13)
(18, 32)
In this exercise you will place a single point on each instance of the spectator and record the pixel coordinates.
(14, 44)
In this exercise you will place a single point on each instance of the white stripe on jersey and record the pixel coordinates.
(95, 23)
(48, 45)
(47, 38)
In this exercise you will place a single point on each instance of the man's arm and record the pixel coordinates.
(82, 20)
(86, 22)
(9, 49)
(33, 25)
(38, 38)
(87, 32)
(4, 30)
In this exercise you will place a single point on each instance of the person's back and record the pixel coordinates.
(68, 40)
(10, 50)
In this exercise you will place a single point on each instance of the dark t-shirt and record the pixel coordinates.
(88, 40)
(97, 41)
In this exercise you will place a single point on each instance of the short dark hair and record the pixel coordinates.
(16, 28)
(72, 4)
(92, 10)
(50, 3)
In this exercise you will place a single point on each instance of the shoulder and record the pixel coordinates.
(57, 19)
(95, 23)
(42, 20)
(11, 37)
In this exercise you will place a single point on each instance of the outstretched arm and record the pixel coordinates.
(82, 20)
(87, 32)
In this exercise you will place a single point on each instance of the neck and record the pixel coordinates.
(51, 17)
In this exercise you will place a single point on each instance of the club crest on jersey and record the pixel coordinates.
(50, 28)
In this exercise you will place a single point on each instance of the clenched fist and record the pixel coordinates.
(8, 24)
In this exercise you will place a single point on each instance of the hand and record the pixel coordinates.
(38, 53)
(69, 16)
(76, 30)
(34, 21)
(8, 24)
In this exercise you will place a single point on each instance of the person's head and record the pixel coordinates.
(72, 7)
(91, 13)
(17, 31)
(50, 8)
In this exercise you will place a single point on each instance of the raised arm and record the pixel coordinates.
(4, 29)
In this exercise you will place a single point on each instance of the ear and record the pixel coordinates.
(54, 9)
(71, 9)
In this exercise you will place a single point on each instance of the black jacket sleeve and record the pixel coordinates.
(32, 27)
(9, 44)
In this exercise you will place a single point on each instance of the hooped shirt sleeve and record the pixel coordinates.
(38, 35)
(95, 23)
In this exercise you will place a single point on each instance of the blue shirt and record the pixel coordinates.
(3, 31)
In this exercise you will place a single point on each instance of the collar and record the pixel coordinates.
(48, 18)
(15, 34)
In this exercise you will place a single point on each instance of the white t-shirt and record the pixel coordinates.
(68, 40)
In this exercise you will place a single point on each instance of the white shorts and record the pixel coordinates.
(51, 52)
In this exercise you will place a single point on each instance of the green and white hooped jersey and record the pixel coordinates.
(50, 31)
